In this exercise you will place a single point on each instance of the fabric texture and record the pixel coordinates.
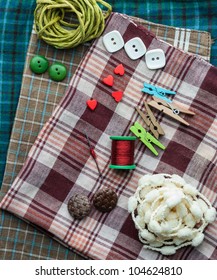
(15, 26)
(198, 15)
(59, 163)
(34, 108)
(16, 19)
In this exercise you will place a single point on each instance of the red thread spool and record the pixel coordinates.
(122, 152)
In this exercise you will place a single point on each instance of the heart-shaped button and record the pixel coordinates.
(117, 95)
(109, 80)
(92, 103)
(119, 70)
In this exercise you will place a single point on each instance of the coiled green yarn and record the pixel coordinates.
(51, 25)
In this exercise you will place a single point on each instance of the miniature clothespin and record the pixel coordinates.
(171, 110)
(146, 138)
(151, 121)
(158, 92)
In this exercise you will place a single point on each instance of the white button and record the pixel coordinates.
(155, 59)
(135, 48)
(113, 41)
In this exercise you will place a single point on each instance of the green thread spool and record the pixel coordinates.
(122, 155)
(51, 24)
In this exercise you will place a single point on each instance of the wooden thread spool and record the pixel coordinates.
(122, 154)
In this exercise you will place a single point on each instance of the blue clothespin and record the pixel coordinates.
(158, 92)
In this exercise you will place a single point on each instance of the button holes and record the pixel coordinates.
(136, 50)
(139, 130)
(112, 39)
(114, 43)
(153, 58)
(57, 69)
(133, 46)
(39, 66)
(157, 58)
(38, 61)
(58, 73)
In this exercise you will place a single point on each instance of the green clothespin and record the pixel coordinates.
(146, 138)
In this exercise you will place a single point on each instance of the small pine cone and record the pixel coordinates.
(79, 206)
(105, 200)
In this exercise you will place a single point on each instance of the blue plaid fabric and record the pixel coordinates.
(15, 27)
(200, 15)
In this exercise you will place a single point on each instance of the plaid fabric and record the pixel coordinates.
(15, 26)
(59, 163)
(16, 23)
(199, 15)
(35, 107)
(18, 238)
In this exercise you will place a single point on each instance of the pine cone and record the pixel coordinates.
(79, 206)
(105, 200)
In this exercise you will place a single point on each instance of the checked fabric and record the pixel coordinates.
(38, 98)
(16, 22)
(59, 163)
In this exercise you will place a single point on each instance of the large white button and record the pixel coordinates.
(113, 41)
(155, 59)
(135, 48)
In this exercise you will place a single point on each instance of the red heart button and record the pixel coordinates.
(117, 95)
(109, 80)
(119, 70)
(92, 103)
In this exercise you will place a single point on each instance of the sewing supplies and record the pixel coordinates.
(119, 70)
(113, 41)
(122, 152)
(117, 95)
(79, 206)
(105, 199)
(171, 110)
(158, 92)
(91, 104)
(109, 80)
(55, 29)
(169, 213)
(39, 64)
(135, 48)
(151, 121)
(92, 153)
(57, 71)
(155, 59)
(146, 138)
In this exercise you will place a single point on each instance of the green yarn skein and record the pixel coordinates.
(51, 24)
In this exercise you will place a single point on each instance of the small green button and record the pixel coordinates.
(39, 64)
(57, 71)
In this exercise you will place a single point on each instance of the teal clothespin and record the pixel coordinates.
(146, 138)
(158, 92)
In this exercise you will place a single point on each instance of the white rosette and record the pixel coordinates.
(169, 213)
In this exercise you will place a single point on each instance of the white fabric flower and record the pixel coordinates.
(169, 213)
